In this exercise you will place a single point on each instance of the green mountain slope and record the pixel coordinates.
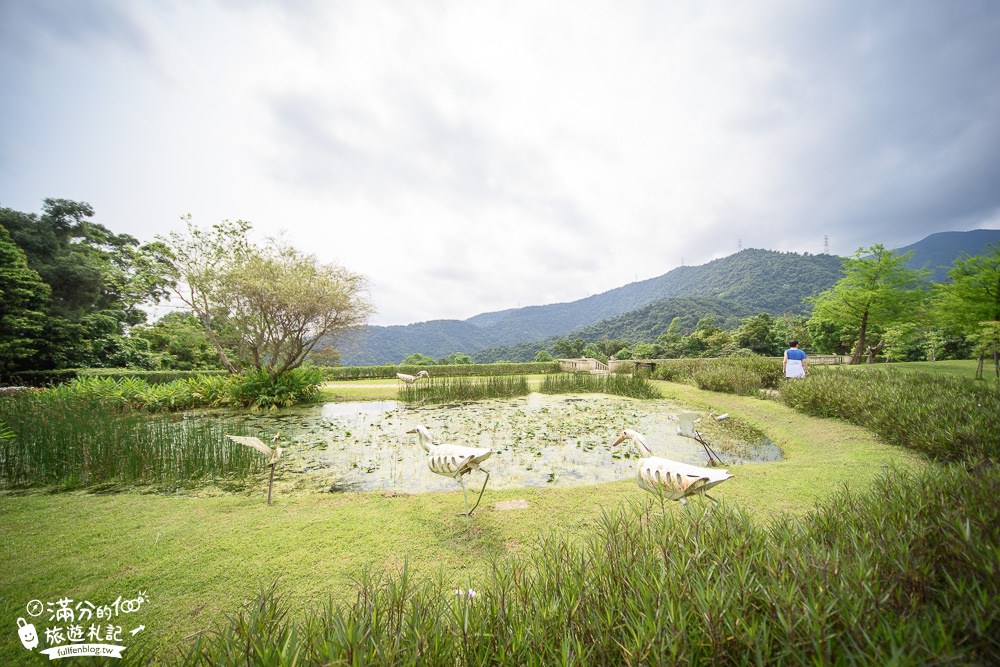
(756, 280)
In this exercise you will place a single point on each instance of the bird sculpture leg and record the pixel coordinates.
(713, 458)
(481, 491)
(270, 485)
(465, 497)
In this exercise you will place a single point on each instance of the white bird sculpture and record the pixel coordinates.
(272, 454)
(454, 461)
(671, 480)
(410, 379)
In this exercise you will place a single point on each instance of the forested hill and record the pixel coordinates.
(759, 280)
(644, 324)
(938, 251)
(756, 280)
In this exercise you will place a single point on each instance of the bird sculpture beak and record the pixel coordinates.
(620, 439)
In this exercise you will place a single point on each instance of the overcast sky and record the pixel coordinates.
(472, 156)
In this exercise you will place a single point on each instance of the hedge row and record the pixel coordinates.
(453, 370)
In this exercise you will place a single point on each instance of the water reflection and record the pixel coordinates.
(538, 440)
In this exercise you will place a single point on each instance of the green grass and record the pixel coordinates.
(200, 556)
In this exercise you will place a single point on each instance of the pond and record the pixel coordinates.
(537, 441)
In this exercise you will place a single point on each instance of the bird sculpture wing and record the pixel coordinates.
(677, 480)
(456, 460)
(256, 443)
(408, 379)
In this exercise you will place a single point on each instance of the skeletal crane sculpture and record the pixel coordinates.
(410, 379)
(671, 480)
(454, 461)
(687, 421)
(272, 454)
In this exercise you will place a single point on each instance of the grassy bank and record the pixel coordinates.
(200, 557)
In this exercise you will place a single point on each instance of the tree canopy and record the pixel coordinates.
(261, 306)
(96, 282)
(876, 291)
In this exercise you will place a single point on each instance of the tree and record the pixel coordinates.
(456, 358)
(569, 349)
(971, 301)
(758, 334)
(418, 359)
(542, 356)
(97, 282)
(23, 297)
(272, 305)
(179, 343)
(877, 290)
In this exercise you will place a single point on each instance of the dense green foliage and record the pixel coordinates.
(734, 375)
(96, 281)
(950, 419)
(23, 296)
(75, 440)
(448, 389)
(177, 341)
(581, 383)
(902, 574)
(876, 292)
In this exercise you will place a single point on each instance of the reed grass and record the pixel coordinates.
(82, 442)
(902, 574)
(449, 389)
(581, 383)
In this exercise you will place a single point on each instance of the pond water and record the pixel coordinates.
(539, 440)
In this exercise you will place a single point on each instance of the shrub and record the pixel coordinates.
(452, 370)
(727, 379)
(259, 389)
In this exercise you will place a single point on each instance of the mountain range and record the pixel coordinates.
(740, 285)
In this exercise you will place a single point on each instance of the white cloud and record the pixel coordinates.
(470, 157)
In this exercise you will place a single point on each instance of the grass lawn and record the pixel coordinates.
(199, 556)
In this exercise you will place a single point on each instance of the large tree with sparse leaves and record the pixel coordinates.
(270, 303)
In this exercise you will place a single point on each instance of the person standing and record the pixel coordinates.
(795, 364)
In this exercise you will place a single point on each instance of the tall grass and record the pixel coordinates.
(580, 383)
(448, 389)
(77, 442)
(903, 574)
(947, 418)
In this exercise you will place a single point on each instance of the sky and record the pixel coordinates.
(469, 157)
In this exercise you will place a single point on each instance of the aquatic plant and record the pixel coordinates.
(447, 389)
(580, 383)
(78, 442)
